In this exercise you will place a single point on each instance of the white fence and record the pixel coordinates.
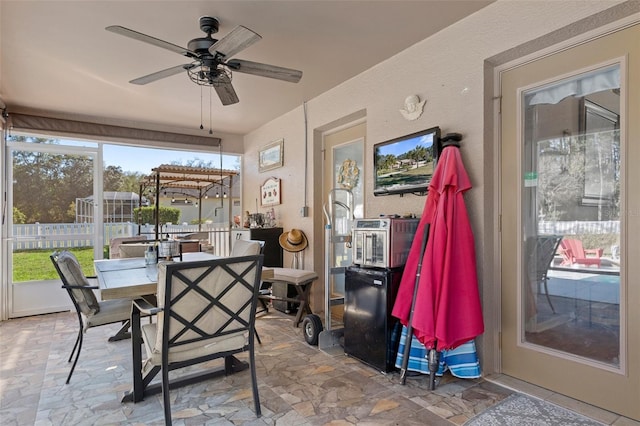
(51, 236)
(579, 227)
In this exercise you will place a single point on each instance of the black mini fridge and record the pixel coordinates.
(368, 324)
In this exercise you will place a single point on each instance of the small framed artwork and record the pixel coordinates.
(270, 157)
(270, 192)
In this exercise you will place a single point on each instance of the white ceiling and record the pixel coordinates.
(57, 55)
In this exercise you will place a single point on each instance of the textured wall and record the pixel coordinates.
(450, 71)
(447, 70)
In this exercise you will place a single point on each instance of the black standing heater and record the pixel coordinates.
(433, 356)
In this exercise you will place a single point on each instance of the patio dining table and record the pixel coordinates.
(131, 277)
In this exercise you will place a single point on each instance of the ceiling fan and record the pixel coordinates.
(211, 59)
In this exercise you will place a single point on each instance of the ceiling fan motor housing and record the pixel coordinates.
(209, 25)
(201, 45)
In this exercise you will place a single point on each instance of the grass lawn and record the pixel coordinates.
(34, 265)
(416, 176)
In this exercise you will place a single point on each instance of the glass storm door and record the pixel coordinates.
(49, 182)
(569, 279)
(343, 173)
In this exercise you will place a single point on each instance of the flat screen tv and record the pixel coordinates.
(405, 164)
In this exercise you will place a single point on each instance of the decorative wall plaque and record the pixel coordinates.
(270, 192)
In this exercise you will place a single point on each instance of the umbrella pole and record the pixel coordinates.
(408, 339)
(433, 358)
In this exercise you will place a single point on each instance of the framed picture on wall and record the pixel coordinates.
(270, 157)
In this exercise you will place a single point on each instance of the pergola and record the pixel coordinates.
(198, 182)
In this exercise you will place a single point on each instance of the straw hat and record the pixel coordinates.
(293, 241)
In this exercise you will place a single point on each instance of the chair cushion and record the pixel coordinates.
(293, 276)
(133, 250)
(245, 248)
(111, 311)
(73, 274)
(189, 351)
(115, 243)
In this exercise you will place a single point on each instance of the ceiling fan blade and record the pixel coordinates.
(162, 74)
(227, 93)
(238, 39)
(265, 70)
(151, 40)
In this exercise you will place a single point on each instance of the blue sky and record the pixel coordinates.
(142, 160)
(402, 147)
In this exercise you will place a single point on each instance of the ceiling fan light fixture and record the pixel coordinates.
(206, 76)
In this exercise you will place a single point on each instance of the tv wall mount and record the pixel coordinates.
(451, 139)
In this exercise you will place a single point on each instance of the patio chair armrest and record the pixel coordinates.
(143, 306)
(81, 287)
(597, 252)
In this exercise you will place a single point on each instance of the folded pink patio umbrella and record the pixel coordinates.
(447, 310)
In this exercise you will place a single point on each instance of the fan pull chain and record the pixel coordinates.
(201, 126)
(210, 111)
(224, 193)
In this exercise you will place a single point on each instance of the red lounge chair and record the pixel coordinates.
(573, 253)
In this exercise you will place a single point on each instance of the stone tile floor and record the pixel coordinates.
(298, 384)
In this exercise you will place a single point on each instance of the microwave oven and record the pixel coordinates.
(382, 243)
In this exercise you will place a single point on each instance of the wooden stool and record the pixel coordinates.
(301, 280)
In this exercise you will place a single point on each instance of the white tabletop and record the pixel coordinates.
(131, 278)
